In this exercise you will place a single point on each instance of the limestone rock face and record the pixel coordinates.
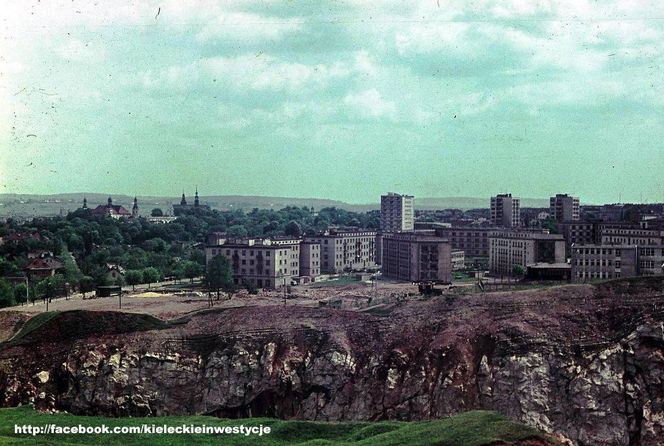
(600, 385)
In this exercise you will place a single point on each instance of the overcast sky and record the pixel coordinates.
(343, 99)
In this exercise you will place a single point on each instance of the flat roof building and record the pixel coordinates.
(511, 248)
(564, 207)
(505, 211)
(596, 262)
(345, 250)
(397, 213)
(416, 257)
(267, 263)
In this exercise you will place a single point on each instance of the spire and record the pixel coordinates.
(110, 201)
(183, 202)
(196, 201)
(85, 203)
(134, 210)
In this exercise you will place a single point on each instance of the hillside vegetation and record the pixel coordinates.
(476, 428)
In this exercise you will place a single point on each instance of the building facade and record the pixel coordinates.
(579, 232)
(629, 235)
(309, 259)
(564, 207)
(345, 250)
(416, 258)
(505, 211)
(397, 213)
(508, 249)
(267, 263)
(472, 240)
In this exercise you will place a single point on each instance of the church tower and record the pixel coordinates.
(196, 202)
(134, 210)
(110, 202)
(85, 203)
(183, 202)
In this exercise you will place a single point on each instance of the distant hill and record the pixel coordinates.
(26, 205)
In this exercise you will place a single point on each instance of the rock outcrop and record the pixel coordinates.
(584, 363)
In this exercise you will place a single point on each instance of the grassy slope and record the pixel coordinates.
(469, 429)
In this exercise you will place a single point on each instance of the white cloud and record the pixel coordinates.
(244, 26)
(78, 51)
(371, 103)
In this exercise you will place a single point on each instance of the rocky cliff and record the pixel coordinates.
(583, 362)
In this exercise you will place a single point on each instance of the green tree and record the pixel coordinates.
(6, 294)
(151, 275)
(293, 229)
(237, 231)
(519, 270)
(192, 270)
(86, 284)
(250, 287)
(134, 277)
(156, 212)
(219, 275)
(21, 293)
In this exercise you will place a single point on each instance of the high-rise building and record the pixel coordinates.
(397, 213)
(505, 211)
(564, 207)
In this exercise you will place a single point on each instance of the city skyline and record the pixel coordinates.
(341, 100)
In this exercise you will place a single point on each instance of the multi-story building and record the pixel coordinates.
(629, 235)
(472, 240)
(510, 248)
(458, 259)
(309, 259)
(345, 250)
(591, 262)
(397, 213)
(416, 257)
(267, 263)
(564, 207)
(505, 211)
(579, 232)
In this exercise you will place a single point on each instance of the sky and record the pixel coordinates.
(334, 99)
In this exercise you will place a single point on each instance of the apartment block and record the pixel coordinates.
(510, 248)
(458, 259)
(472, 240)
(309, 259)
(397, 212)
(630, 235)
(267, 263)
(564, 207)
(505, 211)
(579, 232)
(416, 257)
(345, 250)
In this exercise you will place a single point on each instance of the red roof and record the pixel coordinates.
(47, 263)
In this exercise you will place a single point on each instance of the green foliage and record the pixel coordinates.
(519, 270)
(20, 293)
(251, 287)
(192, 269)
(477, 428)
(86, 284)
(151, 275)
(134, 277)
(156, 212)
(237, 231)
(219, 274)
(293, 229)
(6, 294)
